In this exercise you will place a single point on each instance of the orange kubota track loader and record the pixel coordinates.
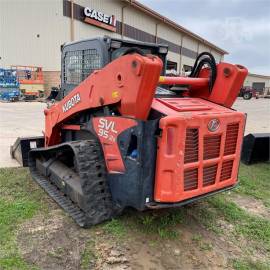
(125, 136)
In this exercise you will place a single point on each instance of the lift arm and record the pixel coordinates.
(129, 82)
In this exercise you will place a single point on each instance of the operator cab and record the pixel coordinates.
(79, 59)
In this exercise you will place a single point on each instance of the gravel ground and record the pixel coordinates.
(22, 119)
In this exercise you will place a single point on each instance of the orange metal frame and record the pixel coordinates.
(170, 166)
(130, 83)
(108, 129)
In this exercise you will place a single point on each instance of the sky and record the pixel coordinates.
(241, 27)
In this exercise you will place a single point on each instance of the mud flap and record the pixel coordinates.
(255, 148)
(20, 149)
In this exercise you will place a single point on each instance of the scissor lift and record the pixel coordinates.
(31, 81)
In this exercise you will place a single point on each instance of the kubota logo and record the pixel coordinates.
(213, 125)
(71, 102)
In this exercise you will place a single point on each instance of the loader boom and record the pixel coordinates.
(130, 82)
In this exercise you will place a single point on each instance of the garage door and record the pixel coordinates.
(258, 86)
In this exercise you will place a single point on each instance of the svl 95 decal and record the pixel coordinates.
(106, 129)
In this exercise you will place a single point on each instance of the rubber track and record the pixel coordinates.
(91, 169)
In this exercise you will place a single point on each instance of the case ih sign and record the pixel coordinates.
(100, 19)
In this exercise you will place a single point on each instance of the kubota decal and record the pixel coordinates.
(71, 102)
(106, 129)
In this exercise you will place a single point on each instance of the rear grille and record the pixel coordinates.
(231, 139)
(190, 179)
(209, 175)
(209, 164)
(191, 145)
(211, 146)
(226, 170)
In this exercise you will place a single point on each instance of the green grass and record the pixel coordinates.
(160, 223)
(19, 201)
(249, 265)
(206, 215)
(13, 213)
(15, 262)
(115, 227)
(252, 227)
(255, 182)
(88, 256)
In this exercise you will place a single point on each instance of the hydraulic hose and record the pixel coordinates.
(205, 58)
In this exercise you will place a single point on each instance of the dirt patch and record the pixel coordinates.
(53, 242)
(191, 250)
(141, 251)
(111, 255)
(251, 205)
(56, 242)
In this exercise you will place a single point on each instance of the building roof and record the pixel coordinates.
(259, 76)
(171, 23)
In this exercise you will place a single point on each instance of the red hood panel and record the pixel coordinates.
(176, 106)
(184, 104)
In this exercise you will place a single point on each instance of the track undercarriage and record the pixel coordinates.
(74, 175)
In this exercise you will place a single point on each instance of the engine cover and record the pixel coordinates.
(198, 150)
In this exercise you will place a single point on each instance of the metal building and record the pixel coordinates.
(32, 31)
(260, 83)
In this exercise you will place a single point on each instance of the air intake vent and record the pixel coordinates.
(211, 147)
(226, 171)
(190, 179)
(231, 139)
(209, 175)
(192, 145)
